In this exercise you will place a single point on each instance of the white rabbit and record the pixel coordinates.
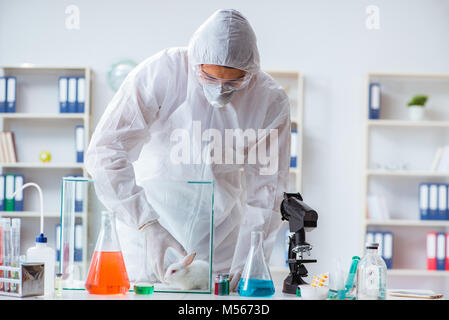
(188, 274)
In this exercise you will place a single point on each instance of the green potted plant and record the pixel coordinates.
(416, 107)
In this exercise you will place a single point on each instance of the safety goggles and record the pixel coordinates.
(227, 83)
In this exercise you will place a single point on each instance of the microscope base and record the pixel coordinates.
(290, 285)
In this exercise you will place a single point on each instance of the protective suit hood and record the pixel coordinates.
(227, 39)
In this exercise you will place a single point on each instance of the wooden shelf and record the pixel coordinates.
(41, 165)
(408, 123)
(294, 120)
(31, 66)
(407, 75)
(405, 173)
(417, 272)
(33, 214)
(294, 170)
(35, 116)
(281, 73)
(409, 223)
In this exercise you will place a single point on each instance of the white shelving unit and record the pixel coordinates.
(293, 84)
(393, 120)
(417, 273)
(38, 126)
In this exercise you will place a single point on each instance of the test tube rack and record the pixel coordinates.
(26, 280)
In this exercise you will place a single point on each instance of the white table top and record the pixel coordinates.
(84, 295)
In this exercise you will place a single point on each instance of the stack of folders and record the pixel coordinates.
(72, 92)
(78, 242)
(374, 100)
(8, 184)
(433, 201)
(437, 251)
(385, 241)
(7, 147)
(7, 94)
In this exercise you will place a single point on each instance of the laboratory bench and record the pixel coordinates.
(84, 295)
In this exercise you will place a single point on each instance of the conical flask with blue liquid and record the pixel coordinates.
(256, 278)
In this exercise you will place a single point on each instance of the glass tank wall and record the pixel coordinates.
(186, 211)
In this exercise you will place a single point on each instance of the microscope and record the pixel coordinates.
(301, 218)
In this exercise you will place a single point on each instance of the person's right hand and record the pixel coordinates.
(158, 240)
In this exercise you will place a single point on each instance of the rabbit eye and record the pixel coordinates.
(173, 271)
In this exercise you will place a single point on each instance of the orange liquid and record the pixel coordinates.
(107, 274)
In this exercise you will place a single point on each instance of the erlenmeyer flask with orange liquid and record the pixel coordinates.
(107, 272)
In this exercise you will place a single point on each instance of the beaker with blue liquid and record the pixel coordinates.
(256, 278)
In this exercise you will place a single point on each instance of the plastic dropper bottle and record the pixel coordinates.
(41, 252)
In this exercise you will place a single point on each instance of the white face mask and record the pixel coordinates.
(218, 95)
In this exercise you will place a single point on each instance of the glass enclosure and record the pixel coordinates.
(185, 209)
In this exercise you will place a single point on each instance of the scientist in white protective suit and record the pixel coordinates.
(216, 82)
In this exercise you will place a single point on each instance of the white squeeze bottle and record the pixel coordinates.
(41, 252)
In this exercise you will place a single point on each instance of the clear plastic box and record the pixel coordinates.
(191, 200)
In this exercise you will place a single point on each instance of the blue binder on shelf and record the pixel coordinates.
(80, 94)
(79, 143)
(442, 201)
(294, 148)
(71, 96)
(369, 237)
(63, 95)
(388, 249)
(58, 242)
(379, 238)
(2, 94)
(433, 201)
(2, 192)
(11, 94)
(441, 251)
(424, 201)
(286, 245)
(374, 100)
(78, 254)
(79, 194)
(18, 183)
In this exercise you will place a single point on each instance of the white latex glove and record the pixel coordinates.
(234, 280)
(158, 241)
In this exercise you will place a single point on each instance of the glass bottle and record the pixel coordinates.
(371, 275)
(107, 272)
(256, 278)
(142, 285)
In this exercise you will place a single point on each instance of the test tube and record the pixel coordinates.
(58, 285)
(2, 253)
(15, 250)
(352, 272)
(7, 246)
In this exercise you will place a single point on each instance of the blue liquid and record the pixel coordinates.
(256, 288)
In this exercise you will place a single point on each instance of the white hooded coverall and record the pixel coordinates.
(131, 143)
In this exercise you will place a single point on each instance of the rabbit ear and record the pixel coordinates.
(189, 259)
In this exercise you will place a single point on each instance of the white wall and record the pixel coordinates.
(326, 40)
